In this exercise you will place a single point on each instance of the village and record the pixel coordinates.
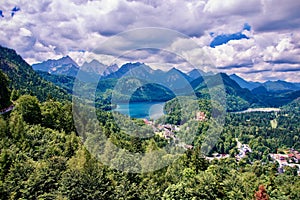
(290, 158)
(168, 131)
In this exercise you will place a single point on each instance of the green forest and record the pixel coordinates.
(48, 152)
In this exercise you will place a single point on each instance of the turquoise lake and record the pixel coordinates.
(148, 110)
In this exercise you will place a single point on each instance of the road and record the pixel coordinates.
(6, 110)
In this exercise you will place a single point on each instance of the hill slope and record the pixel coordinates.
(280, 86)
(4, 91)
(173, 79)
(22, 77)
(237, 98)
(243, 83)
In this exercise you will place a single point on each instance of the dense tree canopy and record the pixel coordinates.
(28, 107)
(43, 158)
(4, 91)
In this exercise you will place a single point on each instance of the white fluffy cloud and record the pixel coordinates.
(86, 29)
(232, 7)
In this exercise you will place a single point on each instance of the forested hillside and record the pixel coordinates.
(24, 79)
(42, 158)
(4, 91)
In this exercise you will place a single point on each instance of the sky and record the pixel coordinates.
(258, 40)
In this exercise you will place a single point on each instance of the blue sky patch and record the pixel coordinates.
(14, 10)
(225, 38)
(247, 27)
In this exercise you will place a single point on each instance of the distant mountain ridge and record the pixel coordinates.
(241, 94)
(127, 69)
(271, 93)
(196, 73)
(270, 86)
(173, 79)
(67, 66)
(243, 83)
(238, 98)
(110, 69)
(48, 64)
(96, 67)
(280, 86)
(93, 66)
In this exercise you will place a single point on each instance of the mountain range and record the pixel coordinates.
(243, 83)
(269, 86)
(67, 66)
(241, 94)
(149, 84)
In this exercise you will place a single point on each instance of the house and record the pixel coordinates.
(200, 116)
(291, 155)
(297, 158)
(282, 158)
(169, 134)
(168, 127)
(177, 128)
(187, 146)
(160, 127)
(147, 122)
